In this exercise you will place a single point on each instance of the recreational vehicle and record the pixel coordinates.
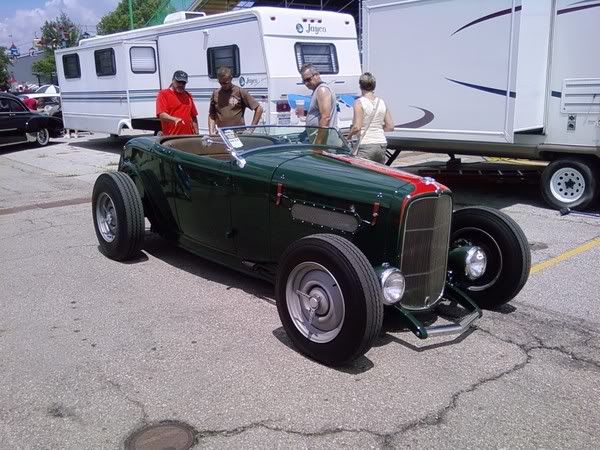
(516, 78)
(109, 83)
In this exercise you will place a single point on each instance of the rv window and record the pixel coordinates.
(143, 59)
(322, 56)
(71, 66)
(105, 62)
(228, 56)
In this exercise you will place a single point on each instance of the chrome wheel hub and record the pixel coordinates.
(315, 302)
(106, 218)
(567, 185)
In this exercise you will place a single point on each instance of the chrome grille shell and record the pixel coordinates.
(425, 233)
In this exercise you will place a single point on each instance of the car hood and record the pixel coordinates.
(352, 178)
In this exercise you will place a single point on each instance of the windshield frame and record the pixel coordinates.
(231, 138)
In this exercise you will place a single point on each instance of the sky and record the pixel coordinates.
(21, 19)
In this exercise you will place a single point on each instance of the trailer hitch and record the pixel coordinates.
(565, 211)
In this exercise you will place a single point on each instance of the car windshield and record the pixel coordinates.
(242, 139)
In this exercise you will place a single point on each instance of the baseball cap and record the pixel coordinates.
(180, 75)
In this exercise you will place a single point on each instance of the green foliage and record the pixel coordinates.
(45, 66)
(5, 64)
(118, 20)
(58, 33)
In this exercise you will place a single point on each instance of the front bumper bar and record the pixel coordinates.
(451, 293)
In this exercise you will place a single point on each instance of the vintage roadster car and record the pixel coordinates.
(340, 237)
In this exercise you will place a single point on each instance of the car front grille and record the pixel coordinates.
(424, 248)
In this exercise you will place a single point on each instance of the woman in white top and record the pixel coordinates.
(371, 118)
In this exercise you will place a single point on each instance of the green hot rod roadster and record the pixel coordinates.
(340, 237)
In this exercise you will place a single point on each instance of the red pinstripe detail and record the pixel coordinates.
(419, 185)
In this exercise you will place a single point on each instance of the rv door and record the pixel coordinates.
(143, 80)
(446, 68)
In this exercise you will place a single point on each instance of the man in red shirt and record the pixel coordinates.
(175, 107)
(31, 103)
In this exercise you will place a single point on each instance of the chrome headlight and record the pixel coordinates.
(475, 263)
(393, 285)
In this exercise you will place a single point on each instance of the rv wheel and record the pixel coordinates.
(569, 183)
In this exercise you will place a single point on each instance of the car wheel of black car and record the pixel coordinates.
(118, 216)
(569, 183)
(328, 298)
(505, 247)
(41, 138)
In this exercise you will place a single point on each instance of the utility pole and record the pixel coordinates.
(130, 15)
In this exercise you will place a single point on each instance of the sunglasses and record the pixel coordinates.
(306, 80)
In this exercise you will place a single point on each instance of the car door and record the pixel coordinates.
(13, 120)
(203, 188)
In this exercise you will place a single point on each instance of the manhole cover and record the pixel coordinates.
(162, 436)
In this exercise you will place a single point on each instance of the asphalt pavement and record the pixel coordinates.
(93, 350)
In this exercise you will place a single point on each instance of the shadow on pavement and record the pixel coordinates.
(105, 143)
(358, 366)
(195, 265)
(13, 148)
(499, 185)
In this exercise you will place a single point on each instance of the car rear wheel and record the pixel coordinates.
(328, 299)
(41, 138)
(505, 247)
(118, 216)
(569, 183)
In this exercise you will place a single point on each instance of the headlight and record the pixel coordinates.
(393, 285)
(475, 263)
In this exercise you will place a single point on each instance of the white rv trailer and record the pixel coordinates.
(110, 83)
(514, 78)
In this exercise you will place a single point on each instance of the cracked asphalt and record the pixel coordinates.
(93, 350)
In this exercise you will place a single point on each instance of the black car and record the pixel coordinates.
(18, 124)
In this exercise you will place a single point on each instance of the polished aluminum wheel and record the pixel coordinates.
(315, 302)
(567, 185)
(106, 217)
(43, 136)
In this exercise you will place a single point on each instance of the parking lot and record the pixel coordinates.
(93, 349)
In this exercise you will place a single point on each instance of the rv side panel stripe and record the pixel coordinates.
(575, 8)
(488, 17)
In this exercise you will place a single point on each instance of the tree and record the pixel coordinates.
(58, 33)
(118, 20)
(5, 63)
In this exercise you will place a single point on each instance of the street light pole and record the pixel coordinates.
(130, 15)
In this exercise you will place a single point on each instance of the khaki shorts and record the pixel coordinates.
(374, 152)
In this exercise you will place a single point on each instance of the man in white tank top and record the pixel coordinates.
(322, 110)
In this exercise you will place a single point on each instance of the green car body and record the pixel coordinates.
(252, 205)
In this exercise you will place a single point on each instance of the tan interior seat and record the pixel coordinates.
(196, 146)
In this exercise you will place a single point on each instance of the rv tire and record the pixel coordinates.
(569, 183)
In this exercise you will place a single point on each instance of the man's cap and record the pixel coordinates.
(180, 75)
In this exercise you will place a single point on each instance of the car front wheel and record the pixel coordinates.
(118, 216)
(505, 248)
(328, 299)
